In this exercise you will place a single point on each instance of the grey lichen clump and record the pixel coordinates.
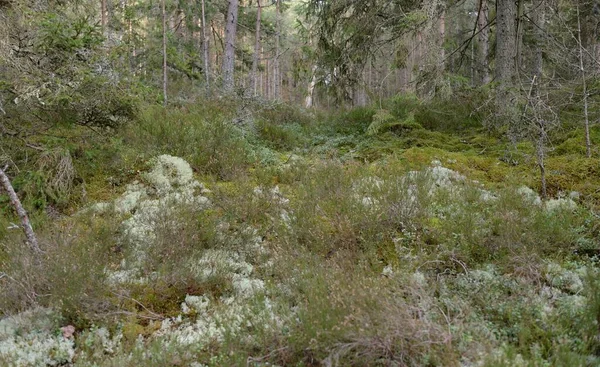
(30, 339)
(169, 185)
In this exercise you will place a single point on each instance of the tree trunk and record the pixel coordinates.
(520, 29)
(16, 203)
(276, 63)
(588, 144)
(442, 31)
(311, 89)
(484, 43)
(539, 19)
(254, 76)
(164, 40)
(229, 54)
(506, 36)
(205, 49)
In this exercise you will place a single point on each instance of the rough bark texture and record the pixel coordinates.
(16, 203)
(276, 63)
(506, 36)
(442, 31)
(205, 48)
(539, 19)
(520, 29)
(484, 43)
(505, 41)
(308, 102)
(229, 55)
(254, 76)
(588, 144)
(164, 39)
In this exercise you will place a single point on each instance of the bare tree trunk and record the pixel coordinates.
(205, 49)
(16, 203)
(540, 148)
(276, 64)
(229, 54)
(311, 89)
(164, 40)
(505, 49)
(484, 43)
(539, 19)
(519, 40)
(268, 79)
(588, 144)
(254, 77)
(442, 31)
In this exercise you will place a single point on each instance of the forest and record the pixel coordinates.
(329, 183)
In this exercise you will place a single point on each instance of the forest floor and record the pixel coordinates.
(285, 238)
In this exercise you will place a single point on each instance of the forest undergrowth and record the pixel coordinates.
(256, 234)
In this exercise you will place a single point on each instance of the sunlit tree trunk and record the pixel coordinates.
(229, 53)
(309, 101)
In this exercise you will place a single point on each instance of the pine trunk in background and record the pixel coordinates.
(229, 53)
(539, 20)
(276, 64)
(520, 29)
(442, 31)
(16, 203)
(484, 43)
(205, 48)
(309, 101)
(164, 44)
(254, 76)
(506, 36)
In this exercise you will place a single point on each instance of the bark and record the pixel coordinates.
(484, 43)
(359, 95)
(539, 19)
(506, 35)
(205, 48)
(276, 63)
(519, 40)
(164, 39)
(254, 77)
(16, 203)
(229, 54)
(442, 31)
(311, 89)
(588, 144)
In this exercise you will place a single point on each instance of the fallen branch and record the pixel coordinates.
(16, 203)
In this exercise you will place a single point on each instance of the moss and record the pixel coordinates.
(131, 331)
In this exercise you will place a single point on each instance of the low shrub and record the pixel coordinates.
(212, 146)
